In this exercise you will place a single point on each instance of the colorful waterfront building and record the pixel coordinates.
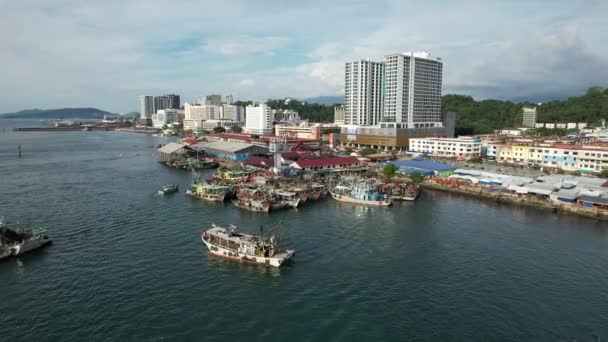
(568, 157)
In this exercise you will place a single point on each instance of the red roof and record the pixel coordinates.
(189, 140)
(299, 147)
(326, 161)
(290, 155)
(265, 138)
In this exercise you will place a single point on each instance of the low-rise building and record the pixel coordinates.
(236, 151)
(460, 148)
(568, 157)
(306, 131)
(226, 124)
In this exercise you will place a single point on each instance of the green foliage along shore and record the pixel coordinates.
(480, 117)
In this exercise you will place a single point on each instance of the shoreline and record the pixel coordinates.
(498, 197)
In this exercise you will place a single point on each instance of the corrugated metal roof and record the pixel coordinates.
(422, 164)
(596, 200)
(171, 148)
(228, 146)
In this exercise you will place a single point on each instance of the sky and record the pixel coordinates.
(104, 54)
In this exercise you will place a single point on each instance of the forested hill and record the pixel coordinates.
(312, 111)
(63, 113)
(478, 117)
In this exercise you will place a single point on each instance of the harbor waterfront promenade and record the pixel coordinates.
(128, 265)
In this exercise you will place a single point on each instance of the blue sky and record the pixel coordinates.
(68, 53)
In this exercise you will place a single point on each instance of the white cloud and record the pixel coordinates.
(65, 53)
(248, 82)
(244, 45)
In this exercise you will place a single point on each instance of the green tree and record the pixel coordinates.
(218, 130)
(417, 178)
(604, 173)
(560, 172)
(367, 151)
(236, 129)
(576, 173)
(389, 170)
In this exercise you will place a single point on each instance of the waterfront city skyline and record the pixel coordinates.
(549, 49)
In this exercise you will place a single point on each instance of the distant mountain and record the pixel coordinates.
(325, 100)
(63, 113)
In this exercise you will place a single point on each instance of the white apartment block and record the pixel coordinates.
(413, 82)
(167, 116)
(460, 148)
(196, 114)
(363, 92)
(258, 120)
(232, 112)
(529, 117)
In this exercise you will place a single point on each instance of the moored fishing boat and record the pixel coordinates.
(359, 196)
(320, 189)
(262, 206)
(289, 198)
(300, 193)
(209, 192)
(257, 249)
(16, 239)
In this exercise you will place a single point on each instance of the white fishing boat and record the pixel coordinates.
(359, 196)
(290, 199)
(16, 240)
(256, 249)
(209, 192)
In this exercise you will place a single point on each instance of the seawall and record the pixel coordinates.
(501, 197)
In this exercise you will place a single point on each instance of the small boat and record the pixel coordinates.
(256, 249)
(209, 192)
(16, 239)
(320, 189)
(261, 206)
(300, 193)
(359, 196)
(168, 189)
(290, 199)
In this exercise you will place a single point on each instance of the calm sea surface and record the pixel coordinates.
(129, 266)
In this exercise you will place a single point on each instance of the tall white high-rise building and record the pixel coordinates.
(258, 119)
(529, 117)
(412, 97)
(363, 98)
(146, 109)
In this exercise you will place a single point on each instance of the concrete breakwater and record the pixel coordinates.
(503, 197)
